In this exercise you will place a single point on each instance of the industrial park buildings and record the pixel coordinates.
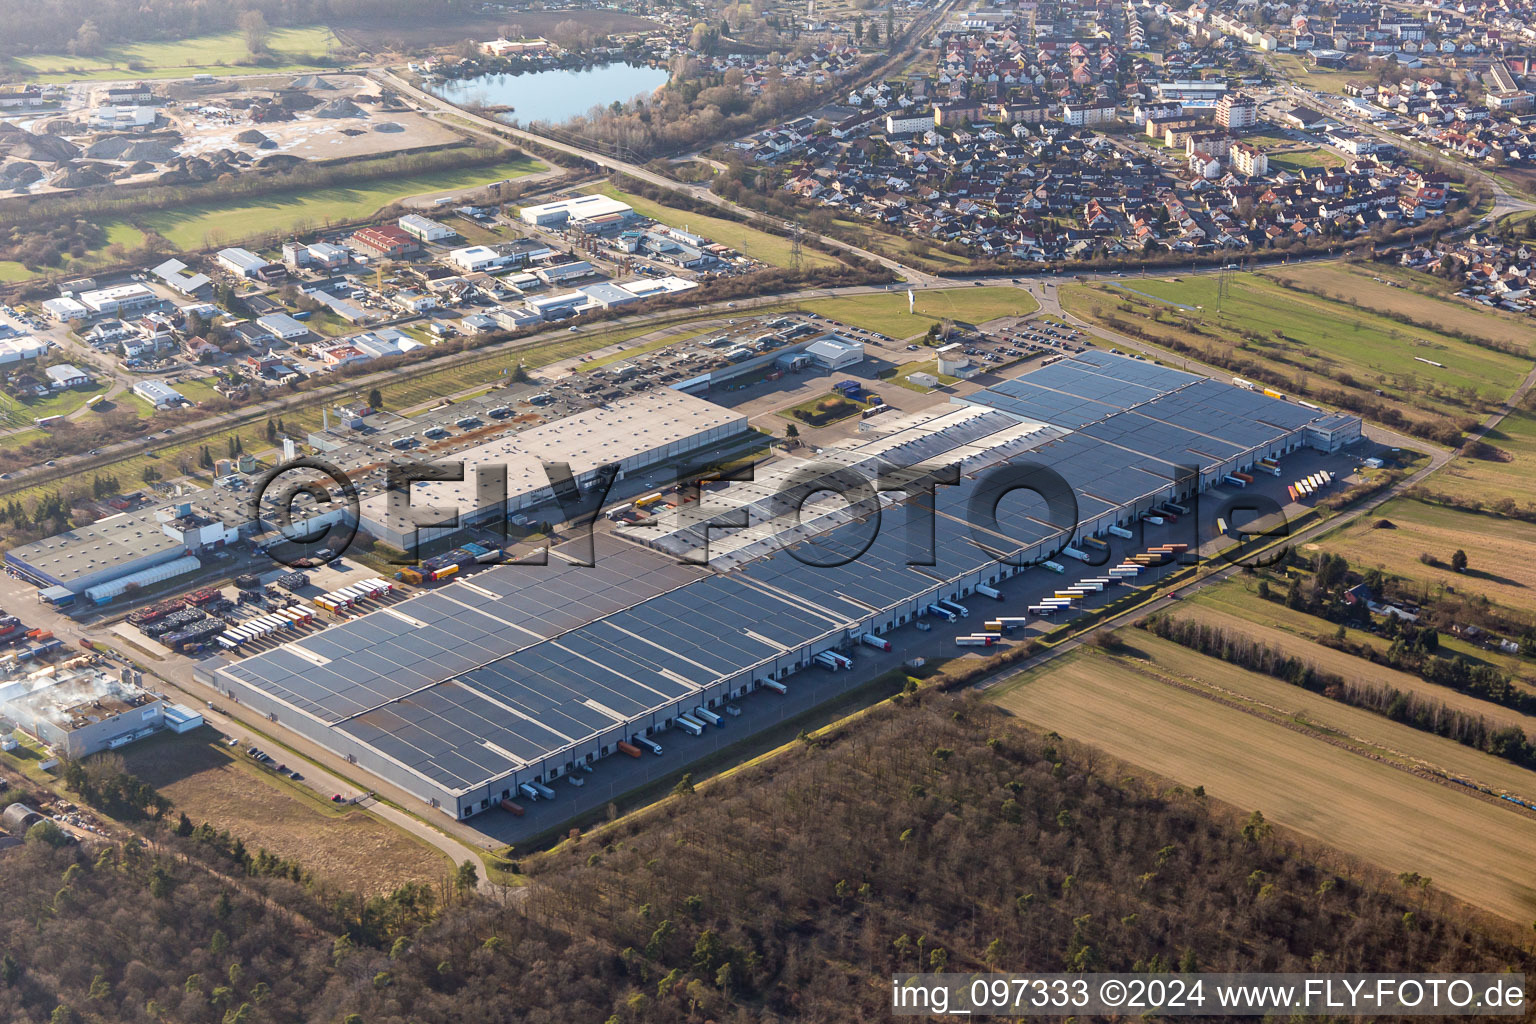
(522, 674)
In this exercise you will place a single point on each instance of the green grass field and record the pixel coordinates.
(23, 437)
(203, 224)
(1308, 341)
(292, 49)
(1408, 296)
(1304, 159)
(197, 389)
(887, 312)
(757, 244)
(20, 412)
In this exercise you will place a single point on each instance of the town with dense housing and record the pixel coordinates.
(493, 501)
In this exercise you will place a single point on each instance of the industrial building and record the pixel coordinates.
(21, 347)
(282, 326)
(122, 299)
(175, 273)
(834, 352)
(574, 211)
(80, 708)
(635, 433)
(475, 258)
(99, 560)
(66, 375)
(159, 394)
(522, 674)
(244, 263)
(425, 229)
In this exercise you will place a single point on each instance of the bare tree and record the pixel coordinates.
(253, 25)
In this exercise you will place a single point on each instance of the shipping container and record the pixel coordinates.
(628, 748)
(986, 591)
(517, 809)
(1235, 481)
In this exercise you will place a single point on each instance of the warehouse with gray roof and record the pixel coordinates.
(522, 674)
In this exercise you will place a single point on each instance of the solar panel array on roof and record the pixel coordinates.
(1103, 475)
(1114, 369)
(1213, 407)
(1163, 441)
(1042, 405)
(598, 677)
(1087, 387)
(376, 658)
(1094, 387)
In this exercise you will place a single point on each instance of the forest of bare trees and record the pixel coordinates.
(935, 833)
(694, 110)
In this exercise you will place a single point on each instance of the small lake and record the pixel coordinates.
(555, 95)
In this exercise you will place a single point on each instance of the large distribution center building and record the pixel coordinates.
(635, 433)
(521, 674)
